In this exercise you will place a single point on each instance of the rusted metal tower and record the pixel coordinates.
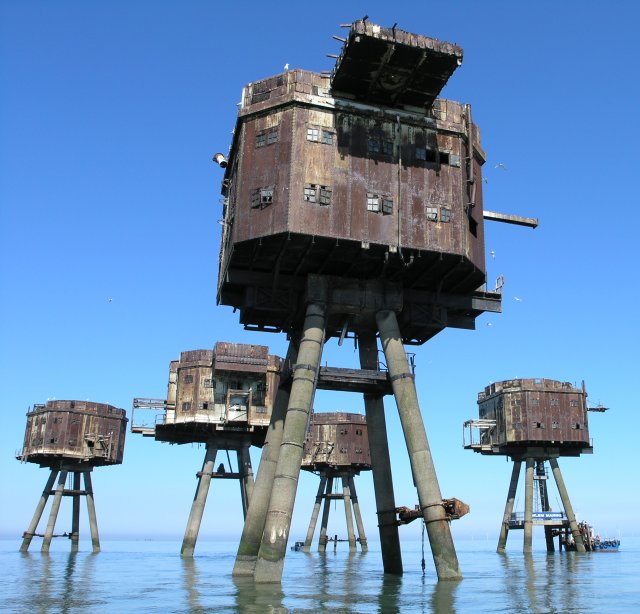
(337, 448)
(71, 438)
(222, 398)
(533, 421)
(353, 208)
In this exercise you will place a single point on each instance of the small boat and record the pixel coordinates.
(297, 546)
(606, 545)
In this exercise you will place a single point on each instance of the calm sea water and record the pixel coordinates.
(148, 576)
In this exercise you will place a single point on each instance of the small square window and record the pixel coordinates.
(432, 214)
(387, 148)
(554, 402)
(261, 409)
(421, 153)
(310, 192)
(188, 379)
(272, 136)
(325, 195)
(387, 205)
(313, 134)
(555, 425)
(373, 145)
(444, 157)
(204, 405)
(445, 214)
(255, 199)
(261, 139)
(327, 137)
(573, 403)
(208, 383)
(373, 202)
(186, 406)
(266, 197)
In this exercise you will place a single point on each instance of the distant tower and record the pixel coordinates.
(535, 421)
(222, 398)
(71, 437)
(337, 447)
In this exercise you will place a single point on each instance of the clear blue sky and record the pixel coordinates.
(109, 116)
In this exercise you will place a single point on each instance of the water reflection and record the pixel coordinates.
(443, 597)
(56, 581)
(539, 582)
(191, 581)
(259, 598)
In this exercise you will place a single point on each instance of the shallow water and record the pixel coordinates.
(150, 576)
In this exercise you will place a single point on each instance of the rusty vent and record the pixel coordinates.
(392, 67)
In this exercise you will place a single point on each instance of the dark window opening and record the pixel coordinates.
(445, 214)
(387, 205)
(325, 195)
(204, 405)
(358, 431)
(444, 157)
(327, 137)
(373, 146)
(343, 450)
(188, 379)
(262, 197)
(343, 431)
(387, 148)
(272, 135)
(186, 406)
(208, 383)
(539, 425)
(310, 192)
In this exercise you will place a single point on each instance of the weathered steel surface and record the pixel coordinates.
(534, 412)
(365, 176)
(85, 432)
(227, 392)
(337, 439)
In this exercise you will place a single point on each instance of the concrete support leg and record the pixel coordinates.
(270, 561)
(380, 463)
(257, 513)
(33, 525)
(322, 540)
(246, 481)
(528, 507)
(356, 512)
(568, 508)
(314, 514)
(75, 513)
(91, 512)
(544, 502)
(422, 467)
(348, 513)
(508, 508)
(53, 514)
(199, 501)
